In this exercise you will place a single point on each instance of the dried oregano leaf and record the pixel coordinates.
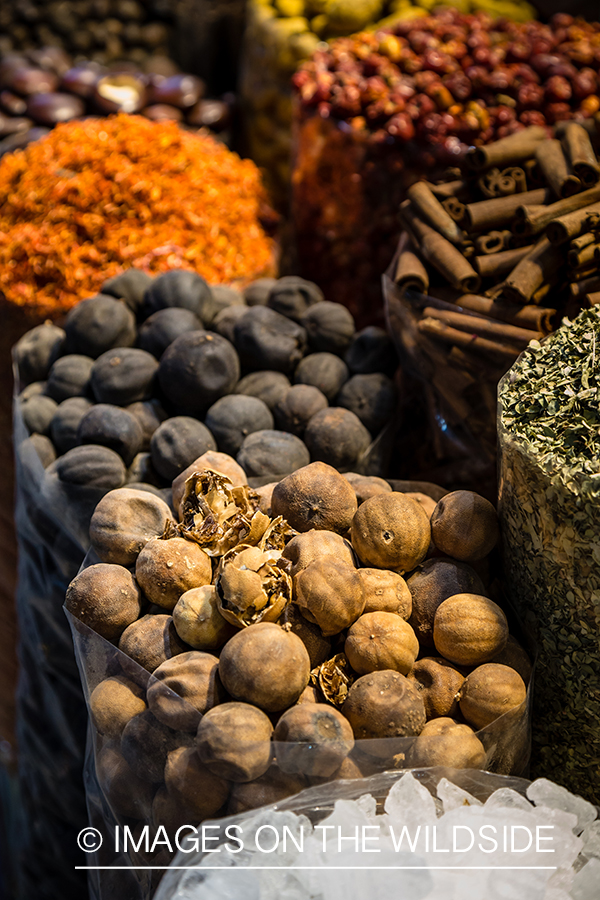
(550, 513)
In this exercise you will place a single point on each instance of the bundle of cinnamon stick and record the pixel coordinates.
(493, 256)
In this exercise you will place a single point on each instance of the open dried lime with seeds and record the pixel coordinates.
(218, 515)
(335, 678)
(251, 586)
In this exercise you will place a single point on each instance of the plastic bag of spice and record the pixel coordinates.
(548, 416)
(168, 748)
(51, 522)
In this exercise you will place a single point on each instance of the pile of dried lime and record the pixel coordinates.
(293, 633)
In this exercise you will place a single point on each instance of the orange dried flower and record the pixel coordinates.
(98, 196)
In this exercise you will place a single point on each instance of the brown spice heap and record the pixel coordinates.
(98, 196)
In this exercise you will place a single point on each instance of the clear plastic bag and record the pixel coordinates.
(112, 798)
(51, 524)
(551, 570)
(455, 444)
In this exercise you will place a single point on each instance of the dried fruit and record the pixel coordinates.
(234, 741)
(265, 665)
(315, 497)
(381, 640)
(330, 593)
(489, 692)
(312, 739)
(251, 587)
(444, 742)
(438, 682)
(183, 688)
(465, 526)
(197, 619)
(469, 629)
(391, 531)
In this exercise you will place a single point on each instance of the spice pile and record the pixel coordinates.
(490, 260)
(275, 661)
(97, 196)
(378, 111)
(44, 87)
(282, 33)
(549, 494)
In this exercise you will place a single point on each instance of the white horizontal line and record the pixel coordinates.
(315, 868)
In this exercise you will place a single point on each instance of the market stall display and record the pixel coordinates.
(549, 486)
(213, 370)
(229, 658)
(489, 261)
(281, 34)
(320, 825)
(377, 111)
(45, 87)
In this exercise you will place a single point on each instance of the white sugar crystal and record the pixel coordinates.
(452, 796)
(409, 801)
(368, 804)
(545, 793)
(586, 884)
(591, 840)
(506, 798)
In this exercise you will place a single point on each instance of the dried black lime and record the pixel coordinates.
(123, 375)
(177, 443)
(231, 419)
(38, 413)
(265, 339)
(99, 324)
(371, 350)
(329, 326)
(65, 422)
(161, 328)
(37, 350)
(69, 377)
(298, 406)
(370, 397)
(111, 426)
(197, 369)
(272, 453)
(337, 437)
(324, 371)
(292, 296)
(130, 286)
(270, 387)
(177, 288)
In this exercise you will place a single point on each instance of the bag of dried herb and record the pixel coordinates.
(549, 419)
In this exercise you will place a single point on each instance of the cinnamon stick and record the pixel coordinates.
(539, 266)
(448, 189)
(497, 265)
(588, 254)
(535, 220)
(507, 151)
(442, 254)
(584, 240)
(533, 318)
(454, 208)
(588, 285)
(431, 210)
(581, 153)
(450, 335)
(555, 168)
(490, 243)
(410, 272)
(502, 331)
(566, 227)
(499, 213)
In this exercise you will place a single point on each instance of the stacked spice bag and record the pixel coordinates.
(78, 207)
(101, 414)
(280, 34)
(40, 89)
(241, 645)
(549, 415)
(490, 260)
(378, 111)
